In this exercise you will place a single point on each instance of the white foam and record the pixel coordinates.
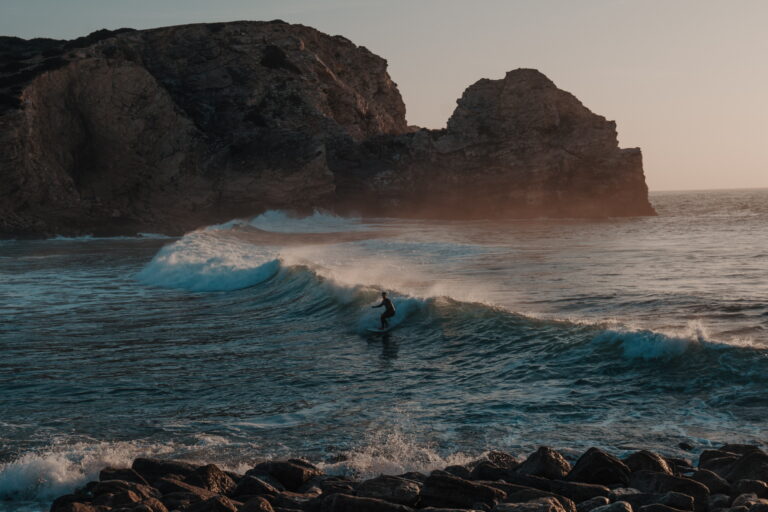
(392, 452)
(59, 470)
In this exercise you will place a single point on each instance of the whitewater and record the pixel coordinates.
(247, 340)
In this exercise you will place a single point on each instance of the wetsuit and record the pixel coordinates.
(389, 311)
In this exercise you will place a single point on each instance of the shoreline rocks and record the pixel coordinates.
(296, 485)
(169, 129)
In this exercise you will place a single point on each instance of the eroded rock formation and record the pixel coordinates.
(517, 147)
(171, 128)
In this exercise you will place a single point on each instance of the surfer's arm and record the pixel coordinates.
(378, 306)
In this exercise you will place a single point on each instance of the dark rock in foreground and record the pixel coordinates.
(296, 485)
(171, 128)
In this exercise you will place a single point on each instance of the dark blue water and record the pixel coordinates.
(249, 340)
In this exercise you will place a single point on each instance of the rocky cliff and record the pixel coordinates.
(515, 147)
(167, 129)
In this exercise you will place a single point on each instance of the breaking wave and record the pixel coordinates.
(231, 257)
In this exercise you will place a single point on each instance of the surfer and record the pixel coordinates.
(389, 310)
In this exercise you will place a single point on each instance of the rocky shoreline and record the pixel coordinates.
(731, 478)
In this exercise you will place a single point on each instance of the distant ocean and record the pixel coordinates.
(248, 340)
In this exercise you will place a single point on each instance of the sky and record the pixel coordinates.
(685, 80)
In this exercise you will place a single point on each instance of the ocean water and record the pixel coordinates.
(248, 340)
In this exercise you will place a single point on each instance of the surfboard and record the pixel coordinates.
(380, 331)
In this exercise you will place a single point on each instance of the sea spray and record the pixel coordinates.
(45, 474)
(390, 450)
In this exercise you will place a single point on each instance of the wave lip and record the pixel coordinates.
(203, 262)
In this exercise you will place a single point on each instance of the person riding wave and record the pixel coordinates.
(389, 310)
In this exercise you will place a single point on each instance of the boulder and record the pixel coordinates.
(715, 483)
(720, 465)
(758, 487)
(674, 500)
(652, 482)
(291, 473)
(459, 471)
(747, 500)
(645, 460)
(487, 470)
(618, 493)
(718, 501)
(415, 476)
(707, 455)
(257, 504)
(125, 474)
(578, 491)
(169, 485)
(347, 503)
(433, 509)
(740, 449)
(65, 501)
(390, 488)
(331, 484)
(537, 505)
(154, 469)
(502, 459)
(292, 500)
(679, 465)
(212, 478)
(658, 507)
(598, 467)
(215, 504)
(123, 499)
(116, 486)
(592, 503)
(751, 466)
(253, 486)
(520, 494)
(545, 462)
(619, 506)
(150, 505)
(180, 500)
(452, 492)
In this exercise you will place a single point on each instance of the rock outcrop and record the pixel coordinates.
(167, 129)
(517, 147)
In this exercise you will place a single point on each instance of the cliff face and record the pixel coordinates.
(516, 147)
(171, 128)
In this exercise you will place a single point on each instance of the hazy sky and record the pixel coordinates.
(685, 80)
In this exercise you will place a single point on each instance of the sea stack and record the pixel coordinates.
(169, 129)
(518, 147)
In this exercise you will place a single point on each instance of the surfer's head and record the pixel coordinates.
(384, 294)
